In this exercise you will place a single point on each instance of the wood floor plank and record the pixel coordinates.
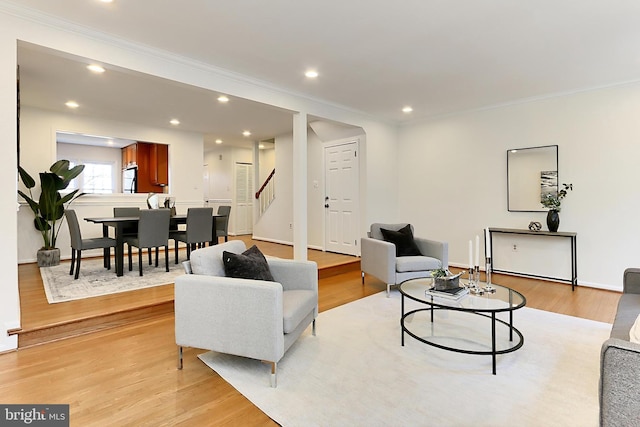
(127, 376)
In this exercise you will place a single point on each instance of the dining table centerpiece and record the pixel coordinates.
(48, 207)
(553, 202)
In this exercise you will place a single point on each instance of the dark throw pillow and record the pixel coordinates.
(251, 264)
(403, 239)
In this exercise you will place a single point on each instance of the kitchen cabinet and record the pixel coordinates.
(129, 156)
(159, 164)
(152, 161)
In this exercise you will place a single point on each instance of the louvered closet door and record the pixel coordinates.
(242, 212)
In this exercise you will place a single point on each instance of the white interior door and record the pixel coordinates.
(242, 212)
(341, 197)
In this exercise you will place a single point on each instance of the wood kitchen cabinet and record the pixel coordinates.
(129, 156)
(159, 162)
(152, 161)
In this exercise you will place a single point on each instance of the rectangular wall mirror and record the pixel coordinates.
(531, 172)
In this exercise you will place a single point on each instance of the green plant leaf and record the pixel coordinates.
(32, 203)
(26, 178)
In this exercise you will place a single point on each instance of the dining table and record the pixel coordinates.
(118, 224)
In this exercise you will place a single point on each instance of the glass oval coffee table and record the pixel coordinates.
(468, 324)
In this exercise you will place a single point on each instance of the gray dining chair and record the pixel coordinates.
(198, 232)
(153, 232)
(128, 229)
(78, 244)
(222, 224)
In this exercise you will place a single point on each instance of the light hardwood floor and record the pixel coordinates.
(127, 375)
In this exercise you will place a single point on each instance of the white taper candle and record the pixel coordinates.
(487, 243)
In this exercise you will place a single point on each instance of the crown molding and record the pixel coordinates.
(521, 101)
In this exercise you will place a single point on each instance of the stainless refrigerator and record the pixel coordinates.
(130, 180)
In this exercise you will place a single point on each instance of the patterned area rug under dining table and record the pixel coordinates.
(95, 280)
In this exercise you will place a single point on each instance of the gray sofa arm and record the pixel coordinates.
(434, 249)
(619, 383)
(631, 281)
(378, 258)
(234, 316)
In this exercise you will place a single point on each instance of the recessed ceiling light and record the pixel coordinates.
(407, 109)
(106, 1)
(174, 122)
(261, 146)
(246, 133)
(311, 74)
(223, 99)
(110, 142)
(72, 104)
(218, 141)
(95, 68)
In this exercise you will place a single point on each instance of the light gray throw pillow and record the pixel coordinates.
(208, 261)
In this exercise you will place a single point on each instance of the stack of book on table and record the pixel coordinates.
(453, 293)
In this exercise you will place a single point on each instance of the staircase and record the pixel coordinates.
(267, 193)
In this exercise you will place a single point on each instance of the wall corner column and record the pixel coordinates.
(300, 186)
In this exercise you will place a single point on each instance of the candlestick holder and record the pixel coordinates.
(488, 287)
(472, 278)
(476, 274)
(488, 270)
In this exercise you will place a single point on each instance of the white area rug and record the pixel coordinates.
(95, 280)
(356, 373)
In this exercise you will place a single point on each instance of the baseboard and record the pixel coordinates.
(282, 242)
(77, 327)
(605, 287)
(8, 343)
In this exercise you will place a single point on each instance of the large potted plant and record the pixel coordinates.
(49, 207)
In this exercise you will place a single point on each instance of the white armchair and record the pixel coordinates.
(378, 257)
(250, 318)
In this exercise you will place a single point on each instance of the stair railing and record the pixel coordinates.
(267, 193)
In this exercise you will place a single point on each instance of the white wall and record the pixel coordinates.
(267, 159)
(315, 191)
(452, 176)
(9, 298)
(38, 151)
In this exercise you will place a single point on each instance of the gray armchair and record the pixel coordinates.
(249, 318)
(378, 257)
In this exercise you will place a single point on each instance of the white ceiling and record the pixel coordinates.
(50, 78)
(376, 56)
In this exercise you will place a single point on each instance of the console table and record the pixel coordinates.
(574, 259)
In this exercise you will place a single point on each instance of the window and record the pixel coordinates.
(96, 178)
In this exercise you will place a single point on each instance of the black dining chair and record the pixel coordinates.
(222, 224)
(78, 244)
(198, 232)
(153, 232)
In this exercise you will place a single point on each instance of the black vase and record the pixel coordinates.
(553, 220)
